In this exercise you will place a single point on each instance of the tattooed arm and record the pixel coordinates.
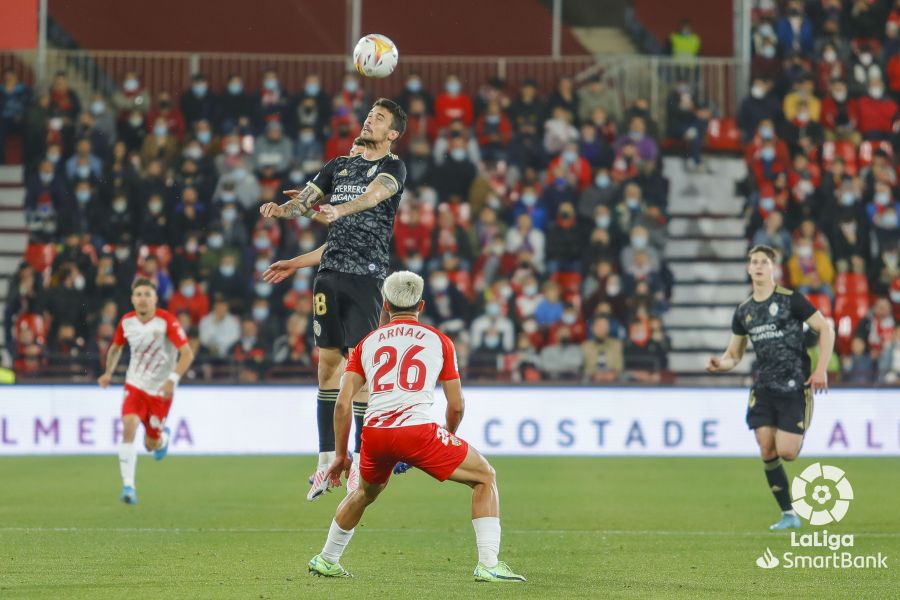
(300, 204)
(382, 187)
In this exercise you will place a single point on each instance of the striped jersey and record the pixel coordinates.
(154, 348)
(403, 361)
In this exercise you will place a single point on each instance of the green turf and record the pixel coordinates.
(576, 527)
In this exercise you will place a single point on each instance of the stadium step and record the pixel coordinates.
(11, 175)
(718, 316)
(730, 294)
(9, 263)
(11, 220)
(13, 242)
(718, 272)
(12, 197)
(726, 227)
(705, 248)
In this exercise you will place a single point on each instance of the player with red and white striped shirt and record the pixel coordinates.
(402, 362)
(160, 356)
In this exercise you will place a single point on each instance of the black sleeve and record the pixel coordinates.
(397, 170)
(737, 327)
(323, 179)
(801, 307)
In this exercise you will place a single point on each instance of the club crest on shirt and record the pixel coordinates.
(748, 318)
(773, 309)
(371, 171)
(343, 173)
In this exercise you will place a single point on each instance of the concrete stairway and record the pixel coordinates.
(706, 252)
(13, 237)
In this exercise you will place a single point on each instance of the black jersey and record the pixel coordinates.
(359, 244)
(775, 327)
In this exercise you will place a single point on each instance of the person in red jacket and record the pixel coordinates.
(166, 110)
(839, 111)
(573, 164)
(453, 104)
(876, 113)
(191, 298)
(411, 235)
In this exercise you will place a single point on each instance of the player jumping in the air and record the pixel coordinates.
(365, 192)
(402, 361)
(160, 356)
(781, 401)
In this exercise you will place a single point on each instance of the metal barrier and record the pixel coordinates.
(720, 81)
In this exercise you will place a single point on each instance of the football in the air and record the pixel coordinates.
(375, 55)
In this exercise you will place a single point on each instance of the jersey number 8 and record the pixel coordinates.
(319, 304)
(386, 360)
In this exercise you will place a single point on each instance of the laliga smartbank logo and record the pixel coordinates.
(821, 494)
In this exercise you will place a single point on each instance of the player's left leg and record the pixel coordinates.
(477, 473)
(349, 512)
(794, 414)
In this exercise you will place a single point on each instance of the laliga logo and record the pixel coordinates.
(814, 491)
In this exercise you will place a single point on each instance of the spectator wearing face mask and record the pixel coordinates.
(341, 138)
(414, 90)
(602, 352)
(239, 185)
(216, 248)
(268, 325)
(131, 97)
(884, 214)
(67, 300)
(571, 163)
(640, 241)
(167, 111)
(453, 105)
(234, 107)
(118, 218)
(155, 224)
(271, 101)
(864, 71)
(198, 102)
(191, 298)
(229, 281)
(186, 258)
(804, 261)
(160, 144)
(602, 191)
(104, 118)
(566, 239)
(494, 323)
(876, 329)
(354, 98)
(444, 303)
(454, 176)
(876, 113)
(795, 30)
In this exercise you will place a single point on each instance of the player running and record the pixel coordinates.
(155, 338)
(781, 400)
(403, 360)
(365, 192)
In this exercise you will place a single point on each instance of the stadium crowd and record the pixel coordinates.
(537, 219)
(821, 130)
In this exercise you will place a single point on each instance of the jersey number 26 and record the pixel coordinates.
(411, 375)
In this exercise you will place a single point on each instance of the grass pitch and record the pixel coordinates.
(240, 527)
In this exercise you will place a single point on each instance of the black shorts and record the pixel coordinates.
(346, 308)
(788, 412)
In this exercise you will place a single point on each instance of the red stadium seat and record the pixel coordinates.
(854, 284)
(568, 282)
(821, 302)
(723, 134)
(844, 150)
(867, 151)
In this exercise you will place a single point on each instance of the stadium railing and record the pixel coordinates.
(720, 81)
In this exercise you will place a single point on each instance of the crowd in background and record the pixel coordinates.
(821, 130)
(537, 218)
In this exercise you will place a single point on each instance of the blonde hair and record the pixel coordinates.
(403, 289)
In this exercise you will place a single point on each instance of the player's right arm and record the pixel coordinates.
(456, 404)
(731, 357)
(112, 361)
(282, 269)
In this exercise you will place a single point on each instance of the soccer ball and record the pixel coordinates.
(375, 55)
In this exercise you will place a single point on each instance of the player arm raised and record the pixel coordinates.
(818, 380)
(382, 187)
(282, 269)
(351, 383)
(730, 358)
(456, 404)
(112, 361)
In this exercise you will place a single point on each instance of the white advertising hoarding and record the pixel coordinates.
(498, 420)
